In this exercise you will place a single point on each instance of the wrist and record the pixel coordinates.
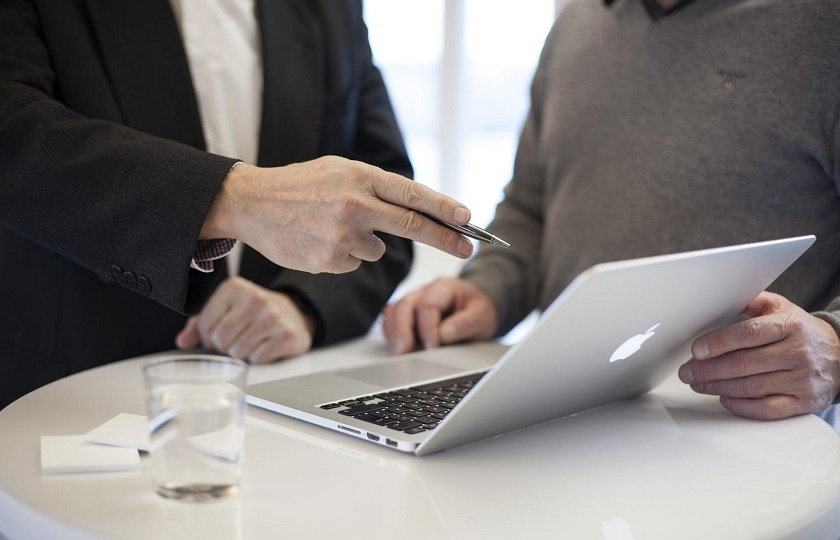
(834, 321)
(222, 220)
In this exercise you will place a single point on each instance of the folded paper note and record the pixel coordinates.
(74, 454)
(126, 430)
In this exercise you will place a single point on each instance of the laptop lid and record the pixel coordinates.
(616, 331)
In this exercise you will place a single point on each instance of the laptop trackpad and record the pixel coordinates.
(394, 374)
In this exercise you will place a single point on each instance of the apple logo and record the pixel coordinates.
(633, 344)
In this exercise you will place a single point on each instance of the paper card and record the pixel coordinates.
(126, 430)
(74, 454)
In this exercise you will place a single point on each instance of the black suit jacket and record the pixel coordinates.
(104, 184)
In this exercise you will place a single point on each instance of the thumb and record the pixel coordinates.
(763, 304)
(188, 337)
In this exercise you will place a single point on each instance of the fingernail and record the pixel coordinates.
(465, 247)
(701, 349)
(462, 215)
(448, 333)
(687, 375)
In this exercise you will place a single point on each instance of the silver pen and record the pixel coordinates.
(471, 231)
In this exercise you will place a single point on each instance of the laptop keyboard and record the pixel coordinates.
(410, 410)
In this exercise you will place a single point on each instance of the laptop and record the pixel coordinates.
(618, 330)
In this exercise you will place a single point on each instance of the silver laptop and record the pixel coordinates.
(617, 331)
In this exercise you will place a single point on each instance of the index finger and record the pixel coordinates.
(408, 194)
(398, 325)
(747, 334)
(399, 221)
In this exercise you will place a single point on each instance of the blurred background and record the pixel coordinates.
(459, 75)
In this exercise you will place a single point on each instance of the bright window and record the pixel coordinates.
(459, 73)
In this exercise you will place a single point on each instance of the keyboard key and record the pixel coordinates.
(408, 424)
(368, 418)
(360, 409)
(435, 409)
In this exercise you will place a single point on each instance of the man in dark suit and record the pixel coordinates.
(106, 187)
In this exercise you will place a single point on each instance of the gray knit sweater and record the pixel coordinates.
(715, 125)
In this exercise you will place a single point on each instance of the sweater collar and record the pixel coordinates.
(655, 11)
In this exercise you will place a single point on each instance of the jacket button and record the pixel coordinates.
(143, 285)
(129, 280)
(116, 273)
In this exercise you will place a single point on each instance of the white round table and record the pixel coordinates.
(670, 464)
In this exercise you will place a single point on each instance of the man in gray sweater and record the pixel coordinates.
(665, 126)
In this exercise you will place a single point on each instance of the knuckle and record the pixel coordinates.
(446, 239)
(253, 299)
(740, 364)
(348, 206)
(411, 193)
(791, 325)
(266, 323)
(752, 328)
(752, 387)
(411, 222)
(282, 333)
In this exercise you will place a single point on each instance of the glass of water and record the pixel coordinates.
(196, 406)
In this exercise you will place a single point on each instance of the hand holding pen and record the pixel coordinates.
(471, 231)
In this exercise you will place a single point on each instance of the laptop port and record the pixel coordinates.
(373, 436)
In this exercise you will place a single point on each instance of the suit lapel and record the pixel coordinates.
(293, 97)
(143, 52)
(145, 58)
(293, 74)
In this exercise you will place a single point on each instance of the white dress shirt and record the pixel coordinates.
(222, 42)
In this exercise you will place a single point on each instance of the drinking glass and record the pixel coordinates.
(196, 406)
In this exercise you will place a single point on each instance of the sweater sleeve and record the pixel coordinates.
(511, 275)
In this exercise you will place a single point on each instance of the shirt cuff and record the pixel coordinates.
(207, 251)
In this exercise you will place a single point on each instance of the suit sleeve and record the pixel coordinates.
(114, 200)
